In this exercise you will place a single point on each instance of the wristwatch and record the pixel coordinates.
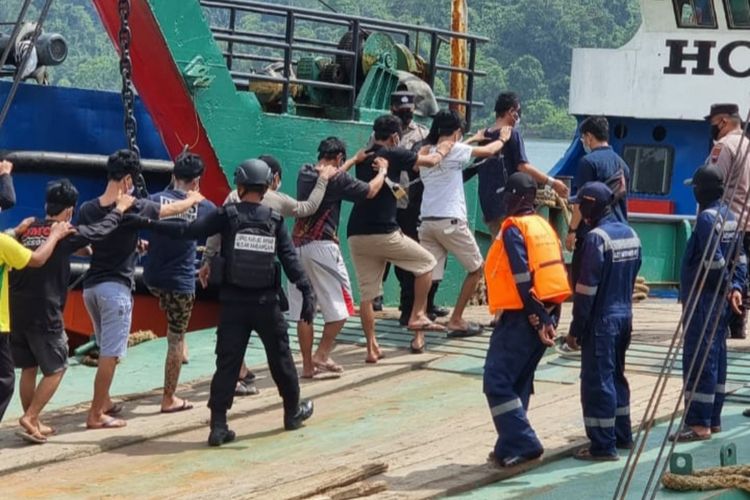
(550, 181)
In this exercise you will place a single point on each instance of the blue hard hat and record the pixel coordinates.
(595, 193)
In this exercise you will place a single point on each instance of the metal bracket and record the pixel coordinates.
(728, 455)
(681, 463)
(197, 74)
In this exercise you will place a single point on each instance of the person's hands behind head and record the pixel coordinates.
(124, 202)
(60, 230)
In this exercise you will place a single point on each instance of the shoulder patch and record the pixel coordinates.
(715, 152)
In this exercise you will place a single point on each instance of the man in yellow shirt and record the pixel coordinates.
(13, 255)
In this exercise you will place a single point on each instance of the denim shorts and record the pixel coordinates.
(110, 306)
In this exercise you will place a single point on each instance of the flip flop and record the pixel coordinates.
(330, 367)
(369, 361)
(688, 436)
(116, 409)
(30, 438)
(426, 326)
(471, 330)
(108, 423)
(416, 350)
(185, 406)
(245, 389)
(585, 454)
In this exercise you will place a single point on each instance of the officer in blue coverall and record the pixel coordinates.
(602, 322)
(704, 414)
(516, 347)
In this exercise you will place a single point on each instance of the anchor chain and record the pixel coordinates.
(128, 93)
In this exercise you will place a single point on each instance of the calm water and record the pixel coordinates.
(544, 154)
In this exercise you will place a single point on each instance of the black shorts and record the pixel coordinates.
(35, 345)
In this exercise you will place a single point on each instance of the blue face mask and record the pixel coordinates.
(586, 147)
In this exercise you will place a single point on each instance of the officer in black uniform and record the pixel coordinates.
(253, 237)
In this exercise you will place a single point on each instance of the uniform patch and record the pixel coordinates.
(715, 152)
(255, 243)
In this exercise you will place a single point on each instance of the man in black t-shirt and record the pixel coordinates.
(37, 301)
(376, 239)
(107, 287)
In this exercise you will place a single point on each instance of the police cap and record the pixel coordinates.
(723, 109)
(705, 178)
(402, 99)
(188, 166)
(520, 183)
(253, 173)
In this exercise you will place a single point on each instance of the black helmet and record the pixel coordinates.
(253, 173)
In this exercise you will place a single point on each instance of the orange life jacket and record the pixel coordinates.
(546, 266)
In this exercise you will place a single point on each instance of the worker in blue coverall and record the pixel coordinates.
(703, 417)
(527, 252)
(602, 322)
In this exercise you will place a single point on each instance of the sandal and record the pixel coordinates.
(688, 436)
(414, 349)
(330, 367)
(116, 409)
(585, 454)
(426, 326)
(471, 330)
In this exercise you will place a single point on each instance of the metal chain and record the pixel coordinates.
(128, 94)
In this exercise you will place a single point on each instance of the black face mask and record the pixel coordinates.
(518, 203)
(715, 130)
(406, 115)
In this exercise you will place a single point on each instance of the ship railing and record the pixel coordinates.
(290, 42)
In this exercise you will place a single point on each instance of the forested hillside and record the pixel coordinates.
(529, 49)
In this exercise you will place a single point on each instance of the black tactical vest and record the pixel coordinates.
(250, 250)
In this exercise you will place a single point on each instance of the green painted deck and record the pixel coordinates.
(570, 478)
(423, 416)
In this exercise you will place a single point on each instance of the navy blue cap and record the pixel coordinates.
(723, 109)
(593, 192)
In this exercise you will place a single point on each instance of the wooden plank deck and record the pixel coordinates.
(423, 417)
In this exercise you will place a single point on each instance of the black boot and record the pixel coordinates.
(377, 303)
(220, 432)
(304, 411)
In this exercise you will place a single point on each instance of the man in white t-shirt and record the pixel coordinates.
(444, 227)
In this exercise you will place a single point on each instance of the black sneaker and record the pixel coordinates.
(440, 311)
(220, 435)
(746, 413)
(506, 462)
(624, 446)
(377, 303)
(304, 411)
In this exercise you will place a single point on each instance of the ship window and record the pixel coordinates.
(695, 13)
(650, 168)
(738, 13)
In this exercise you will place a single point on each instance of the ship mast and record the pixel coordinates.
(459, 24)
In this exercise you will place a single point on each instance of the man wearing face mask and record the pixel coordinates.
(376, 239)
(494, 171)
(601, 164)
(730, 155)
(704, 415)
(108, 284)
(527, 280)
(603, 322)
(37, 300)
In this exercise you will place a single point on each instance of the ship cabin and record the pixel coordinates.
(657, 88)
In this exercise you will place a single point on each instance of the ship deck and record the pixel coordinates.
(423, 417)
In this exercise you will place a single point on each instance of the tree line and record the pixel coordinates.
(530, 48)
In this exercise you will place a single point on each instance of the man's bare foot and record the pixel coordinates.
(309, 373)
(173, 405)
(374, 355)
(327, 365)
(105, 422)
(31, 428)
(47, 430)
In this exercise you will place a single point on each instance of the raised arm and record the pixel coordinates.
(7, 191)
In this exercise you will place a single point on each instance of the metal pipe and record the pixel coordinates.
(287, 61)
(230, 44)
(355, 66)
(49, 160)
(470, 82)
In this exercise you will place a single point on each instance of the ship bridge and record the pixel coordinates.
(686, 55)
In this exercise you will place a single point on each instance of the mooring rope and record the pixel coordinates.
(736, 476)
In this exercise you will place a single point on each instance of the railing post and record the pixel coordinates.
(230, 44)
(355, 71)
(289, 39)
(433, 58)
(470, 81)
